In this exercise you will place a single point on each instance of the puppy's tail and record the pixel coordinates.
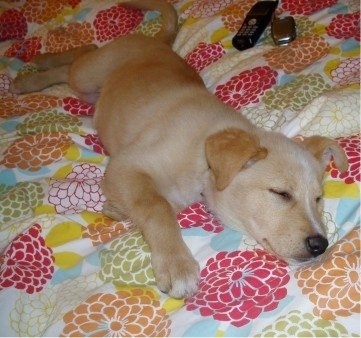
(169, 27)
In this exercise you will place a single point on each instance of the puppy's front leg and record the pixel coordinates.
(175, 269)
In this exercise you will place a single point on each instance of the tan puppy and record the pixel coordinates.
(171, 143)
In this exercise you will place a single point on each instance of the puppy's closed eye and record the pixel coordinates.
(285, 195)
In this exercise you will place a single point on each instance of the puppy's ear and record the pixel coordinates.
(324, 149)
(230, 150)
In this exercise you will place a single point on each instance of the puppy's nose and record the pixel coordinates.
(316, 245)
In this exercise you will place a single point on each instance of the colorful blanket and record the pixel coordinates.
(68, 270)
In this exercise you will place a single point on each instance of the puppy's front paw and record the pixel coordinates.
(176, 273)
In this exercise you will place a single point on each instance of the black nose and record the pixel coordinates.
(316, 245)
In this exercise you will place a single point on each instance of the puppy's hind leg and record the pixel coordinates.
(54, 69)
(50, 60)
(34, 82)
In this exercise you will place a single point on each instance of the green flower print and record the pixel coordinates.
(295, 94)
(48, 121)
(297, 324)
(150, 28)
(20, 201)
(304, 25)
(127, 261)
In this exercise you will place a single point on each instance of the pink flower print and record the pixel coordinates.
(204, 55)
(238, 286)
(79, 191)
(27, 264)
(4, 86)
(197, 215)
(246, 87)
(348, 72)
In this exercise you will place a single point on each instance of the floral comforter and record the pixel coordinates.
(67, 270)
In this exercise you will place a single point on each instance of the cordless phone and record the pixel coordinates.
(256, 21)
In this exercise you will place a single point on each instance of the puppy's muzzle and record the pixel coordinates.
(316, 245)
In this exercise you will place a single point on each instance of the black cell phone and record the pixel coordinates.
(256, 21)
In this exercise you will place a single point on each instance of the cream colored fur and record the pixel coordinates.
(172, 143)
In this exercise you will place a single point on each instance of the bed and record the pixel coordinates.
(68, 270)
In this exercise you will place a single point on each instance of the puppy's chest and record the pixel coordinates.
(184, 191)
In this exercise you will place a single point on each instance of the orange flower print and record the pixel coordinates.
(18, 106)
(334, 284)
(40, 11)
(298, 54)
(73, 35)
(104, 229)
(206, 8)
(234, 15)
(133, 313)
(34, 151)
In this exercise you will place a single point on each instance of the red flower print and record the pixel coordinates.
(27, 264)
(93, 141)
(204, 55)
(12, 25)
(79, 191)
(25, 50)
(197, 215)
(116, 21)
(246, 87)
(77, 107)
(351, 145)
(238, 286)
(305, 7)
(73, 3)
(344, 26)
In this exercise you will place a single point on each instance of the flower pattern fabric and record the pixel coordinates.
(27, 264)
(198, 215)
(126, 314)
(13, 25)
(67, 269)
(334, 286)
(239, 286)
(351, 146)
(79, 191)
(247, 87)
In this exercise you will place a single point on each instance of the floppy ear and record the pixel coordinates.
(230, 150)
(324, 149)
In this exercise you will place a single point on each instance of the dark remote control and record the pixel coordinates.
(254, 24)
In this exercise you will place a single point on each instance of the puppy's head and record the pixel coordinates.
(271, 187)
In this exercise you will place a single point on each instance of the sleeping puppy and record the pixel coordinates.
(172, 143)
